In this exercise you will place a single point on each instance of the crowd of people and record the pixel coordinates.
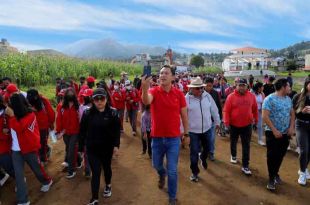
(176, 110)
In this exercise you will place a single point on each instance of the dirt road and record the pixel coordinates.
(135, 181)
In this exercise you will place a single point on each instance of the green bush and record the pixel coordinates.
(207, 70)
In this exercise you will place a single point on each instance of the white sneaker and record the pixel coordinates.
(46, 188)
(246, 171)
(27, 203)
(260, 142)
(297, 150)
(307, 173)
(233, 160)
(302, 180)
(4, 179)
(64, 164)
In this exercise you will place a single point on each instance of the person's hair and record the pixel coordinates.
(271, 78)
(65, 103)
(257, 86)
(223, 78)
(20, 105)
(82, 78)
(2, 106)
(209, 80)
(302, 96)
(7, 78)
(172, 69)
(282, 82)
(103, 84)
(87, 100)
(34, 99)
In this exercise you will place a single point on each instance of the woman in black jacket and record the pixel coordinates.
(100, 131)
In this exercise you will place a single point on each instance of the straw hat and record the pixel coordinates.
(196, 83)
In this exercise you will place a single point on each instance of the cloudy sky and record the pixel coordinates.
(184, 25)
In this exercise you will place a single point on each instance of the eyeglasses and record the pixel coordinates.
(99, 98)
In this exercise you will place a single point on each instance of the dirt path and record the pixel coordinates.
(135, 181)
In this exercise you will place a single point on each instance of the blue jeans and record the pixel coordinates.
(169, 146)
(198, 140)
(211, 140)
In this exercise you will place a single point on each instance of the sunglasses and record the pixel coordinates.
(99, 98)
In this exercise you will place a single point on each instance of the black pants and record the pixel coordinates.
(276, 150)
(96, 162)
(245, 135)
(303, 138)
(44, 147)
(146, 143)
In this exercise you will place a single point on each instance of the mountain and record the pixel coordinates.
(49, 52)
(109, 49)
(298, 49)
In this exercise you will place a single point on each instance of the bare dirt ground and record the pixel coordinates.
(135, 181)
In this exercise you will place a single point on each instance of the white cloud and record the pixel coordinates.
(211, 46)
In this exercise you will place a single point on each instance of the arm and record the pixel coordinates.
(266, 119)
(291, 129)
(146, 97)
(51, 114)
(59, 121)
(184, 118)
(226, 111)
(116, 127)
(214, 112)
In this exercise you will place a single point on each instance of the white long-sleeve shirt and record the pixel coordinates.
(200, 111)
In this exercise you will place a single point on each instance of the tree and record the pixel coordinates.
(291, 65)
(197, 61)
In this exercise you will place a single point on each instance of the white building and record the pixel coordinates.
(247, 58)
(307, 62)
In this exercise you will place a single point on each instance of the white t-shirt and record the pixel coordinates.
(15, 144)
(259, 101)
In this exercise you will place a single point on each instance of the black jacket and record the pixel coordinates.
(217, 101)
(100, 131)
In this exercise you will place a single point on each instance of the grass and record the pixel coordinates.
(296, 74)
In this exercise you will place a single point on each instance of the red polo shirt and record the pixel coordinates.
(165, 112)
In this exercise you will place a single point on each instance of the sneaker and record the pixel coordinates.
(271, 185)
(79, 164)
(233, 160)
(107, 191)
(70, 175)
(297, 150)
(27, 203)
(87, 174)
(204, 164)
(93, 202)
(4, 179)
(302, 180)
(134, 133)
(143, 152)
(307, 173)
(278, 180)
(64, 164)
(211, 157)
(246, 171)
(194, 178)
(46, 188)
(260, 142)
(172, 202)
(161, 182)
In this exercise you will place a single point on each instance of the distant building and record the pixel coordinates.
(5, 47)
(307, 62)
(247, 58)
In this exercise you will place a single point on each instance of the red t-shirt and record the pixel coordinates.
(165, 112)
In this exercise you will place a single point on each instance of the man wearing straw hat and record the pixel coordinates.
(201, 107)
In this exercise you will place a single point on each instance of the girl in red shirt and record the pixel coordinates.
(118, 97)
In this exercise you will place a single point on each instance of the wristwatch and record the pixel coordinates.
(186, 134)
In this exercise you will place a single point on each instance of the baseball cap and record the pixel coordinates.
(99, 92)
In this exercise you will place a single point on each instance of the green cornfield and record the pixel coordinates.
(34, 70)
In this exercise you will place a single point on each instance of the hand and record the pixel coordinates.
(277, 134)
(306, 110)
(185, 139)
(217, 128)
(5, 131)
(52, 127)
(145, 136)
(116, 98)
(145, 82)
(130, 101)
(291, 132)
(9, 112)
(115, 151)
(254, 127)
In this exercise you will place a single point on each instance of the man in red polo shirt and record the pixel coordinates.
(167, 104)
